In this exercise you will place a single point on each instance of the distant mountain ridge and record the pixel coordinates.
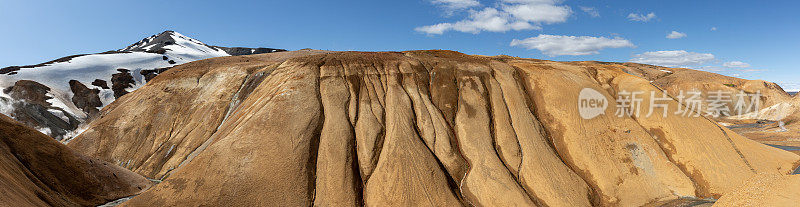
(58, 96)
(171, 40)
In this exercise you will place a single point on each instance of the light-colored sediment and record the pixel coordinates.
(764, 190)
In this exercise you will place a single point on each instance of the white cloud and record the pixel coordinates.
(713, 28)
(676, 35)
(736, 64)
(451, 6)
(641, 17)
(539, 12)
(672, 58)
(555, 45)
(591, 11)
(489, 19)
(507, 15)
(790, 86)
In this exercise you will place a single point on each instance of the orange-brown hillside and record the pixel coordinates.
(35, 170)
(416, 128)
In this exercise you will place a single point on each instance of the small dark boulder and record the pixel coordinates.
(84, 98)
(150, 74)
(100, 83)
(121, 81)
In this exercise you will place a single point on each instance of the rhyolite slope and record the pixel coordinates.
(416, 128)
(36, 170)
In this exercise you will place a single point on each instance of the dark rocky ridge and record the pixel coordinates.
(234, 51)
(30, 107)
(11, 69)
(153, 43)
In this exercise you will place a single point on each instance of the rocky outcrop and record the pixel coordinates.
(31, 104)
(121, 81)
(150, 74)
(84, 98)
(100, 83)
(35, 170)
(29, 91)
(412, 128)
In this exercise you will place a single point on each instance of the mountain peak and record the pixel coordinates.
(162, 42)
(175, 42)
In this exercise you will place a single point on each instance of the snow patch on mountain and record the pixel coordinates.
(139, 61)
(61, 100)
(88, 68)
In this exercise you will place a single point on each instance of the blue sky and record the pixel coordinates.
(751, 39)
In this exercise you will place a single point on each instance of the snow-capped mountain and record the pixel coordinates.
(58, 96)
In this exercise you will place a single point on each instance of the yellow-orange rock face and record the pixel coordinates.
(417, 128)
(154, 131)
